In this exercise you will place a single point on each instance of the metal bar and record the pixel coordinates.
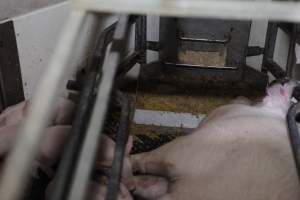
(229, 9)
(294, 135)
(105, 38)
(93, 136)
(121, 140)
(17, 167)
(291, 61)
(128, 63)
(73, 147)
(86, 103)
(269, 45)
(254, 51)
(198, 66)
(275, 69)
(141, 38)
(187, 39)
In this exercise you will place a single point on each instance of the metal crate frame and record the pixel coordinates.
(18, 164)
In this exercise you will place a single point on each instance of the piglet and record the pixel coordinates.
(97, 189)
(55, 134)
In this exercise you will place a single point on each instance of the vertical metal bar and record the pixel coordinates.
(89, 150)
(294, 135)
(71, 154)
(141, 38)
(72, 149)
(18, 164)
(291, 61)
(269, 45)
(121, 140)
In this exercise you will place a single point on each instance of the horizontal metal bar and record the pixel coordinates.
(18, 165)
(198, 66)
(229, 9)
(167, 118)
(254, 51)
(153, 45)
(187, 39)
(127, 64)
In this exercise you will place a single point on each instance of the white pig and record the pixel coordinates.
(239, 152)
(55, 134)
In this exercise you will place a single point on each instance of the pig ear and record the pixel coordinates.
(277, 90)
(129, 145)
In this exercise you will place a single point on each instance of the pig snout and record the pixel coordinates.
(54, 136)
(279, 96)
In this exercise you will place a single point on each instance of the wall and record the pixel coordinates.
(37, 34)
(13, 8)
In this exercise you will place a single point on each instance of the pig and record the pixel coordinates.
(239, 151)
(54, 138)
(104, 159)
(63, 110)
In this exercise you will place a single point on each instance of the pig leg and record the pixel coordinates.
(162, 161)
(53, 144)
(150, 187)
(146, 163)
(64, 111)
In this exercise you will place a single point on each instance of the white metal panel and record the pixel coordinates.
(167, 118)
(13, 8)
(37, 34)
